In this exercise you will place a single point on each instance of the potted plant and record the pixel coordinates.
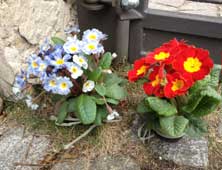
(180, 82)
(75, 77)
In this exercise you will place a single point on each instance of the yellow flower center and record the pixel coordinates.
(192, 64)
(60, 61)
(156, 81)
(92, 37)
(91, 46)
(162, 56)
(142, 70)
(34, 64)
(177, 85)
(52, 83)
(63, 85)
(74, 70)
(81, 60)
(73, 48)
(87, 84)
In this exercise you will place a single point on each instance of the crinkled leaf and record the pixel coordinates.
(62, 113)
(115, 91)
(112, 101)
(86, 109)
(100, 89)
(200, 84)
(210, 101)
(57, 41)
(101, 115)
(72, 105)
(210, 80)
(106, 60)
(98, 100)
(110, 79)
(143, 107)
(174, 125)
(161, 106)
(193, 101)
(214, 76)
(95, 75)
(196, 127)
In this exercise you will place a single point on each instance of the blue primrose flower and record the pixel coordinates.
(43, 64)
(33, 66)
(64, 85)
(21, 80)
(57, 85)
(45, 47)
(72, 46)
(74, 69)
(59, 61)
(93, 35)
(50, 84)
(92, 48)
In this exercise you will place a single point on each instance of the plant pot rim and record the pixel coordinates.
(158, 132)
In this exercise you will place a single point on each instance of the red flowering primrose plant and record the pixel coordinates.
(181, 83)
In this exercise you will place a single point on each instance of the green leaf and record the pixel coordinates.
(193, 101)
(214, 76)
(62, 113)
(86, 109)
(57, 41)
(100, 89)
(115, 91)
(161, 106)
(210, 80)
(112, 101)
(106, 60)
(196, 127)
(98, 100)
(143, 107)
(95, 75)
(72, 105)
(174, 125)
(101, 115)
(110, 79)
(210, 101)
(200, 84)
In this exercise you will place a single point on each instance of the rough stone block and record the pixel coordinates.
(186, 151)
(14, 146)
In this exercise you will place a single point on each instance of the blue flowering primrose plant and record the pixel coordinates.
(76, 76)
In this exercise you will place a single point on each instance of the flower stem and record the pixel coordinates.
(68, 146)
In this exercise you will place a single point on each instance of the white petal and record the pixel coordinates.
(114, 55)
(110, 117)
(108, 71)
(16, 90)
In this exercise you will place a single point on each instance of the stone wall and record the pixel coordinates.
(24, 24)
(187, 6)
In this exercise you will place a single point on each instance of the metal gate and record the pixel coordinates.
(135, 31)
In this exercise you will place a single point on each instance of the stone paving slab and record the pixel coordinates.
(108, 162)
(15, 146)
(185, 151)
